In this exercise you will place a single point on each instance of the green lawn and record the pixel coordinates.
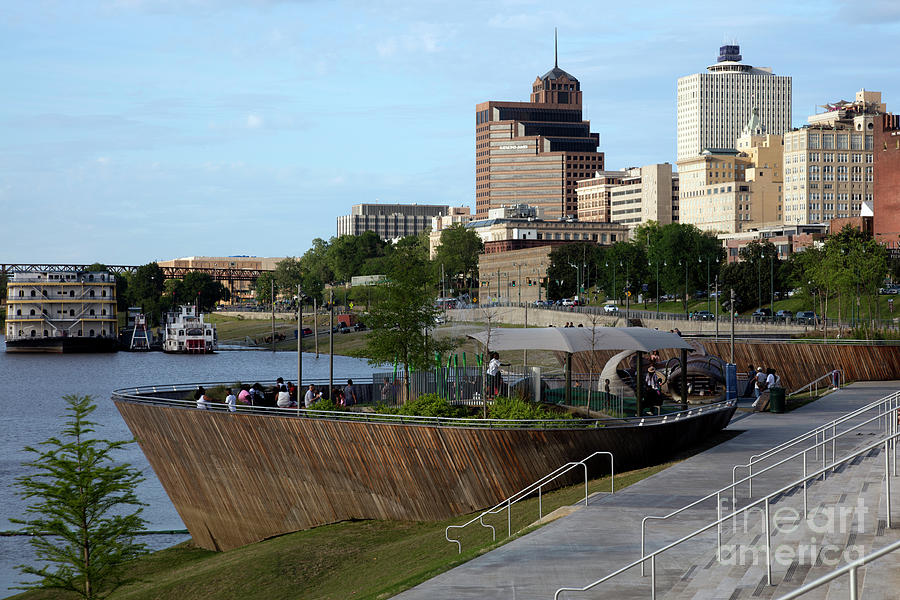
(355, 559)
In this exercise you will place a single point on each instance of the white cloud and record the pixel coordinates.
(254, 121)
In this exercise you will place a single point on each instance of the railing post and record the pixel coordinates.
(768, 544)
(750, 481)
(853, 591)
(805, 501)
(887, 484)
(508, 517)
(653, 577)
(540, 504)
(833, 442)
(719, 527)
(585, 484)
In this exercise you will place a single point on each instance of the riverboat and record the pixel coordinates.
(61, 311)
(187, 332)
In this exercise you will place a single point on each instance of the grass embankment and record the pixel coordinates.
(355, 559)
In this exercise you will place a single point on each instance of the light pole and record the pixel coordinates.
(717, 307)
(685, 285)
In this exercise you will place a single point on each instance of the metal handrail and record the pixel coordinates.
(815, 433)
(526, 491)
(890, 400)
(887, 442)
(816, 430)
(136, 394)
(848, 568)
(733, 486)
(815, 382)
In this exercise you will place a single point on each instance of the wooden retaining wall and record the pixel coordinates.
(237, 478)
(797, 364)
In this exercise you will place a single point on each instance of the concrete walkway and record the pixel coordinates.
(598, 539)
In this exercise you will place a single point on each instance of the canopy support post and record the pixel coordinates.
(684, 380)
(639, 381)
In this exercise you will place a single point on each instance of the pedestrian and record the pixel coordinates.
(759, 386)
(772, 381)
(337, 396)
(654, 397)
(230, 400)
(283, 399)
(312, 396)
(493, 371)
(349, 393)
(244, 395)
(835, 378)
(387, 391)
(200, 397)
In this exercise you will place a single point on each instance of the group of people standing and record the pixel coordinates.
(282, 395)
(760, 382)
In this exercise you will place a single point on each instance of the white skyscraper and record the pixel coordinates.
(714, 107)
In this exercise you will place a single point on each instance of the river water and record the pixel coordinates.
(31, 391)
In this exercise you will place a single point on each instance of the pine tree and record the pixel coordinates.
(83, 514)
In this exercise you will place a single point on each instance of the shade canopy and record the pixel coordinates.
(581, 339)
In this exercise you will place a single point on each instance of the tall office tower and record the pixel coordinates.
(829, 164)
(534, 152)
(713, 107)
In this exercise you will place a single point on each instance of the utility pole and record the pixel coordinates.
(331, 345)
(315, 326)
(443, 289)
(273, 315)
(731, 310)
(299, 344)
(717, 307)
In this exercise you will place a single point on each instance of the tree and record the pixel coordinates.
(458, 253)
(81, 519)
(289, 273)
(685, 252)
(753, 276)
(263, 286)
(200, 288)
(399, 322)
(145, 289)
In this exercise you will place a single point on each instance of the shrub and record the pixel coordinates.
(325, 404)
(516, 408)
(431, 405)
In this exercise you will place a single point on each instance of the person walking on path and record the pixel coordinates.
(349, 393)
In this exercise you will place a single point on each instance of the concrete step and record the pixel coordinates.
(708, 579)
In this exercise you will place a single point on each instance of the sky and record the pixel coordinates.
(140, 130)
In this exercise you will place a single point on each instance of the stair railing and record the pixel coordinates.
(850, 568)
(886, 442)
(530, 489)
(814, 384)
(748, 479)
(890, 400)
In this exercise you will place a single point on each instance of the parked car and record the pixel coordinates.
(805, 317)
(307, 331)
(762, 313)
(569, 302)
(610, 308)
(702, 315)
(784, 315)
(360, 326)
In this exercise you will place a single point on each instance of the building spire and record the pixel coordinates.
(555, 48)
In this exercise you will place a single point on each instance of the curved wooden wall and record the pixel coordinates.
(797, 364)
(239, 478)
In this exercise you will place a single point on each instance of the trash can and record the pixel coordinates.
(776, 400)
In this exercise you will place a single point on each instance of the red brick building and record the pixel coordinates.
(887, 181)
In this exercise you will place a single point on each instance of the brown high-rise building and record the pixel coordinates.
(887, 181)
(534, 152)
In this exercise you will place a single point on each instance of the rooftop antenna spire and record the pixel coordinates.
(555, 48)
